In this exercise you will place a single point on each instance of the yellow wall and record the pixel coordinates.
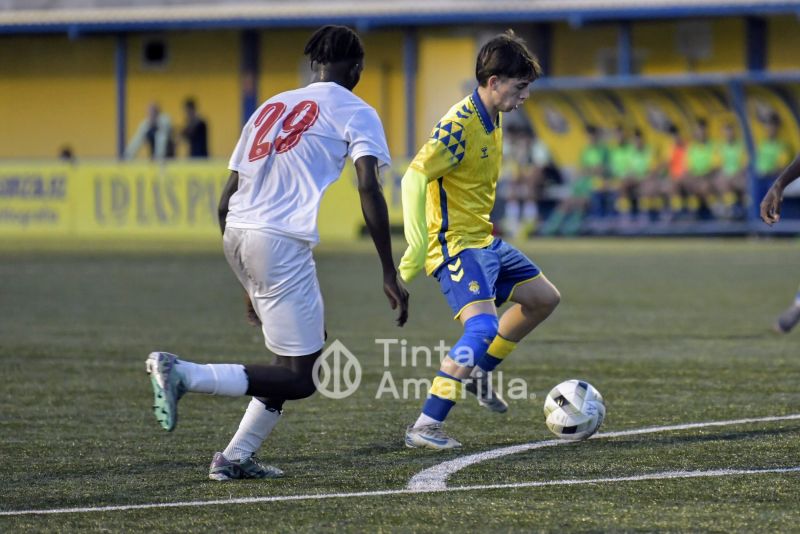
(203, 65)
(382, 85)
(783, 43)
(446, 74)
(281, 61)
(576, 50)
(55, 91)
(656, 43)
(284, 67)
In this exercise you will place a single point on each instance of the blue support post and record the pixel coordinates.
(624, 49)
(410, 52)
(756, 44)
(121, 74)
(249, 71)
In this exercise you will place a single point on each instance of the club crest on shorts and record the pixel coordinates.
(474, 287)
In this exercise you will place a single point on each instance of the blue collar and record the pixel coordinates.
(486, 120)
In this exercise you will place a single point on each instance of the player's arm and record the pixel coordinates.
(376, 215)
(771, 204)
(434, 159)
(227, 192)
(415, 228)
(163, 133)
(222, 213)
(136, 142)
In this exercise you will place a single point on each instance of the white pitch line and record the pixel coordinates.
(666, 475)
(435, 478)
(465, 461)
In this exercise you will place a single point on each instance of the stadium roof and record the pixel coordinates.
(78, 16)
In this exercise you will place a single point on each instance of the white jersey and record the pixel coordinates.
(291, 149)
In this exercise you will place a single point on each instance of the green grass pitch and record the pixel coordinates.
(670, 332)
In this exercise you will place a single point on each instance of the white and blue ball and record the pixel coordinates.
(574, 410)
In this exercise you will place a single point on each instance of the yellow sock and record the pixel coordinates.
(645, 204)
(496, 353)
(623, 205)
(501, 347)
(676, 203)
(729, 198)
(692, 203)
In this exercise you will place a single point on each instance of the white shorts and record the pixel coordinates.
(279, 274)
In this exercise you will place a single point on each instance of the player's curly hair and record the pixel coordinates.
(331, 44)
(506, 55)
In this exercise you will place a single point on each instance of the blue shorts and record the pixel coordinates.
(484, 274)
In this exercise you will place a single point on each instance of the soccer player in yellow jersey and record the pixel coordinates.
(448, 192)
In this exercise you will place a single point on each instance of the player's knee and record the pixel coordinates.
(272, 403)
(551, 299)
(484, 326)
(305, 388)
(479, 331)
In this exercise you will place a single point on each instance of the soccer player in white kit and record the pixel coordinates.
(291, 149)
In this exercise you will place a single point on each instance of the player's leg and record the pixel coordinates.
(467, 282)
(534, 298)
(283, 287)
(790, 317)
(287, 378)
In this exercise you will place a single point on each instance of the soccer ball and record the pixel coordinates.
(574, 409)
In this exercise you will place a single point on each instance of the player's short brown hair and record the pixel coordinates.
(506, 55)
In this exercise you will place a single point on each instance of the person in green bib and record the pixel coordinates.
(701, 167)
(772, 153)
(640, 170)
(618, 158)
(568, 215)
(730, 181)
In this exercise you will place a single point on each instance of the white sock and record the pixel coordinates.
(511, 221)
(530, 212)
(425, 420)
(228, 379)
(797, 299)
(256, 425)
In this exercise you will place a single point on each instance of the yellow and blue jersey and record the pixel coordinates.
(462, 162)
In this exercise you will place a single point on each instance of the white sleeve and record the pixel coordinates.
(239, 151)
(365, 137)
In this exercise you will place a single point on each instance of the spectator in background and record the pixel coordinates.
(66, 154)
(510, 184)
(675, 188)
(619, 161)
(772, 153)
(568, 216)
(640, 169)
(526, 167)
(195, 131)
(729, 183)
(156, 130)
(654, 186)
(701, 167)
